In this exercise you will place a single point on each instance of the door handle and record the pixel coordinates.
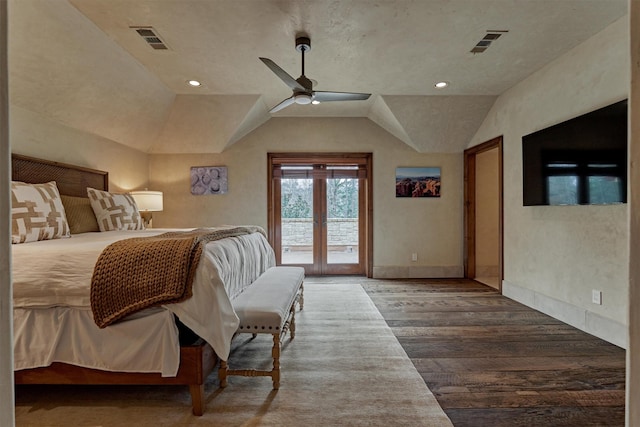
(324, 219)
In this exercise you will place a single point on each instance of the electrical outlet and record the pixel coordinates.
(596, 297)
(414, 257)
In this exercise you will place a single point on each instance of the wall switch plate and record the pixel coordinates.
(414, 257)
(596, 297)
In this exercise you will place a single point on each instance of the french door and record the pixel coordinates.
(318, 212)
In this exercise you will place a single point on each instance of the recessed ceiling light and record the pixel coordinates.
(441, 85)
(194, 83)
(314, 102)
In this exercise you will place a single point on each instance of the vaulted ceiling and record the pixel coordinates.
(81, 63)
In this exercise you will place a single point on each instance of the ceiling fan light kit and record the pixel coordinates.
(302, 87)
(303, 99)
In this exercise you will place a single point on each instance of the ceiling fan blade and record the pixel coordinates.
(340, 96)
(284, 76)
(283, 104)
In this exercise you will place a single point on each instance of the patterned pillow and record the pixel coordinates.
(80, 215)
(37, 212)
(115, 211)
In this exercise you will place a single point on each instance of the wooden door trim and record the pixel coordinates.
(366, 222)
(319, 242)
(470, 207)
(273, 229)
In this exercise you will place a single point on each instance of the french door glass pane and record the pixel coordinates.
(297, 220)
(342, 221)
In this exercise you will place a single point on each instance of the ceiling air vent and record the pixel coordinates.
(490, 37)
(150, 35)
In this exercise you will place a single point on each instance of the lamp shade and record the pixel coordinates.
(148, 201)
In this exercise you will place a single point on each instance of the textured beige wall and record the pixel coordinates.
(633, 351)
(430, 227)
(487, 213)
(90, 83)
(204, 123)
(37, 136)
(563, 252)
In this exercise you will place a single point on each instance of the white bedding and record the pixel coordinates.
(53, 319)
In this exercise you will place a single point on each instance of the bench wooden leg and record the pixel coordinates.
(292, 313)
(275, 352)
(223, 372)
(301, 297)
(292, 322)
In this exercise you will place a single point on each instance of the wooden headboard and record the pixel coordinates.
(71, 180)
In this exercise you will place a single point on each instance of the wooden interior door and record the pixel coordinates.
(318, 212)
(483, 221)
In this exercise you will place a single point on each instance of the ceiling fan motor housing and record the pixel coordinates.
(305, 82)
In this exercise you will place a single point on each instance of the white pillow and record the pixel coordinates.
(37, 212)
(115, 211)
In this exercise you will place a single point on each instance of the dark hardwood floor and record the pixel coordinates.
(491, 361)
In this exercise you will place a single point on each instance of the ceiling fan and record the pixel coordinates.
(302, 87)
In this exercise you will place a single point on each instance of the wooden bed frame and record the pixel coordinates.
(197, 361)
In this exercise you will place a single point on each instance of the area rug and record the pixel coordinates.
(344, 368)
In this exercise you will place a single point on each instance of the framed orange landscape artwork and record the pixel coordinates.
(418, 182)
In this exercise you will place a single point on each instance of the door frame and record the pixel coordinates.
(470, 208)
(274, 231)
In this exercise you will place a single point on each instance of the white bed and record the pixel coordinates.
(53, 321)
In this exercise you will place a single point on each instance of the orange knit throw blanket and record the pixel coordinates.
(141, 272)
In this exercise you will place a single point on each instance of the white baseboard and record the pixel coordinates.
(578, 317)
(417, 272)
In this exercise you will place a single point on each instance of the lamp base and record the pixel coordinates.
(147, 219)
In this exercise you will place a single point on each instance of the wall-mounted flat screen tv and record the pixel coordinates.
(582, 161)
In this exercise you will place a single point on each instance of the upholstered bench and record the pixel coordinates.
(268, 306)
